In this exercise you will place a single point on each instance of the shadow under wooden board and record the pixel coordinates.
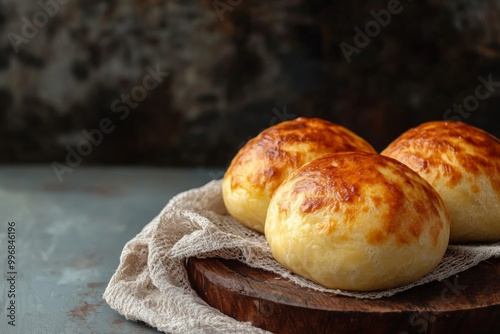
(465, 303)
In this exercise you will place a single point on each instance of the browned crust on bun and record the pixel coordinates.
(346, 220)
(266, 160)
(462, 163)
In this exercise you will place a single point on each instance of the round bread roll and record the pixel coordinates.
(266, 160)
(357, 221)
(462, 163)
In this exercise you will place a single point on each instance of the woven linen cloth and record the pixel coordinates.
(151, 282)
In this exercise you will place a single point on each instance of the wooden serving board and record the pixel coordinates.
(466, 303)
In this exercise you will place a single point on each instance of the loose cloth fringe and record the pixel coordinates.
(151, 282)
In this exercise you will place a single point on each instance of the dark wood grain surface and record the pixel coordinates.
(465, 303)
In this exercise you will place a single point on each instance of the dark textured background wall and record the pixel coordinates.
(234, 67)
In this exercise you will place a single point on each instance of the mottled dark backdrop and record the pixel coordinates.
(185, 83)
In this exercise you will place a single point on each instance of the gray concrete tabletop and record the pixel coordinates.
(66, 238)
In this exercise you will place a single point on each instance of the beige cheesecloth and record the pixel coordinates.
(151, 282)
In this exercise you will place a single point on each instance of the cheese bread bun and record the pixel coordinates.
(357, 221)
(266, 160)
(462, 163)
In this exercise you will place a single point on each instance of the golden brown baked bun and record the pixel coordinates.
(266, 160)
(357, 221)
(462, 163)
